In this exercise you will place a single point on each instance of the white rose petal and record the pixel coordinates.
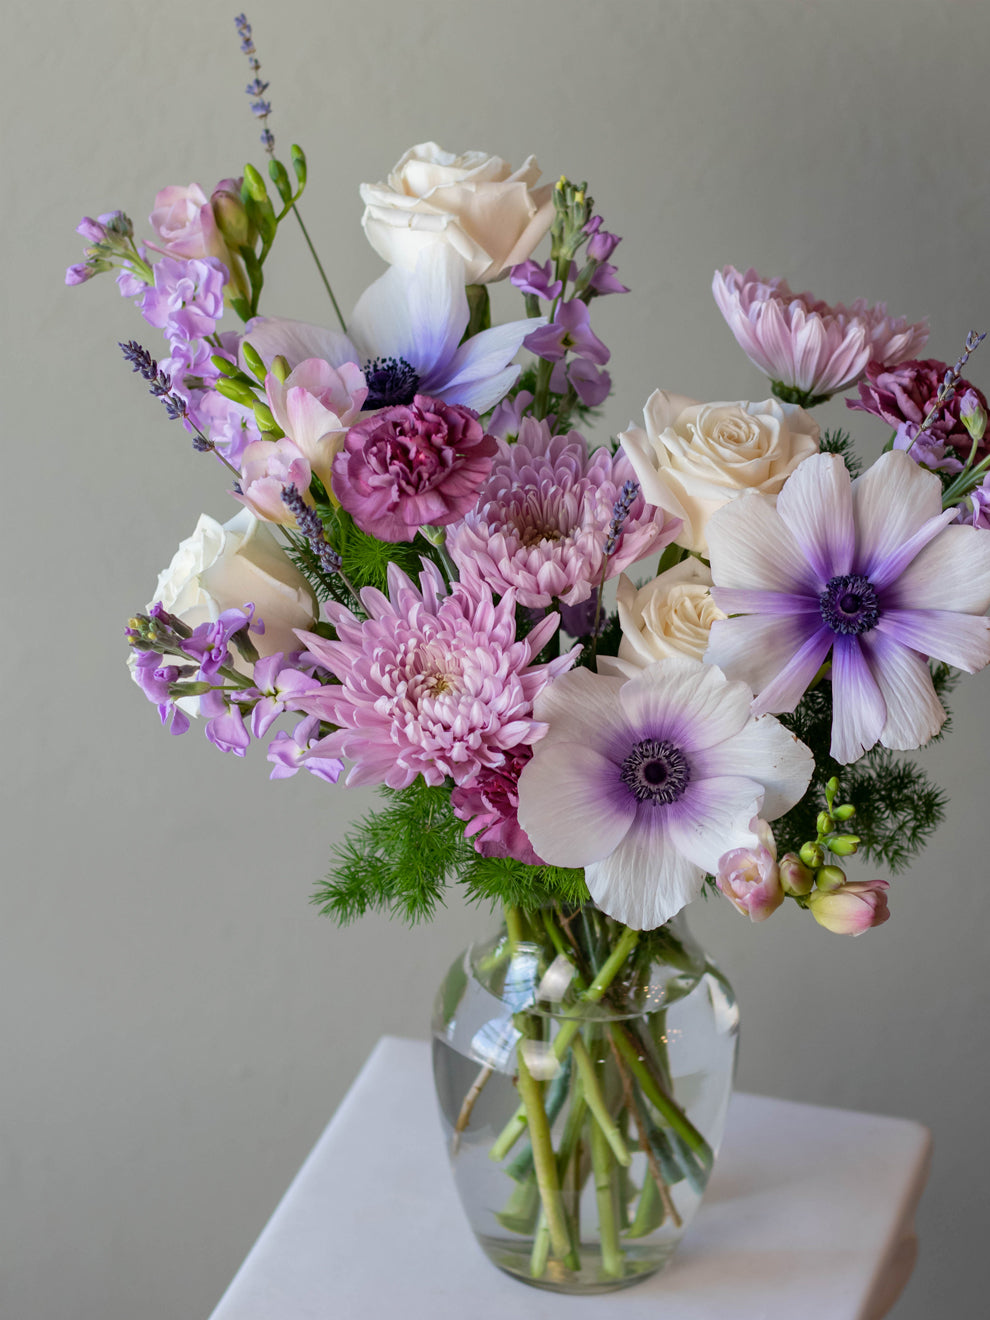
(692, 458)
(671, 615)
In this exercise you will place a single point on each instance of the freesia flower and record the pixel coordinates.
(315, 405)
(431, 683)
(749, 878)
(866, 572)
(542, 518)
(802, 343)
(852, 908)
(185, 225)
(691, 458)
(406, 334)
(647, 782)
(267, 467)
(490, 215)
(415, 465)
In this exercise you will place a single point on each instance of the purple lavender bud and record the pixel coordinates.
(620, 512)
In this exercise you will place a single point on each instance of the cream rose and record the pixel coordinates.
(669, 616)
(490, 214)
(692, 458)
(241, 562)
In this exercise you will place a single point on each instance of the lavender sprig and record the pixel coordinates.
(950, 381)
(256, 89)
(311, 526)
(620, 513)
(160, 385)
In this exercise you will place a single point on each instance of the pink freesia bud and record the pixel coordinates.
(853, 908)
(749, 878)
(267, 467)
(314, 405)
(795, 877)
(973, 415)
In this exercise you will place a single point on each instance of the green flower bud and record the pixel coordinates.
(845, 812)
(280, 367)
(795, 877)
(829, 878)
(255, 184)
(812, 854)
(253, 358)
(231, 215)
(825, 823)
(263, 416)
(843, 845)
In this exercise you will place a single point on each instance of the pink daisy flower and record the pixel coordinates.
(432, 684)
(542, 520)
(810, 349)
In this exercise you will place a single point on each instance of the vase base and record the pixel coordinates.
(638, 1262)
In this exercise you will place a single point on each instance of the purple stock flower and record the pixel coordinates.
(290, 753)
(208, 644)
(415, 465)
(591, 385)
(866, 572)
(532, 278)
(603, 281)
(279, 683)
(186, 300)
(569, 332)
(225, 726)
(646, 782)
(80, 273)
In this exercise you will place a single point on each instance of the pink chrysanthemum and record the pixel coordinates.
(804, 344)
(432, 684)
(542, 520)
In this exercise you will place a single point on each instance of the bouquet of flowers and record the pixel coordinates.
(755, 627)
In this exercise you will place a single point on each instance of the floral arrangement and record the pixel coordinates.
(600, 678)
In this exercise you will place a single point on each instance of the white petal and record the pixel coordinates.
(750, 546)
(961, 640)
(572, 804)
(645, 881)
(692, 704)
(583, 707)
(481, 394)
(758, 648)
(858, 710)
(297, 341)
(713, 816)
(816, 504)
(914, 712)
(892, 501)
(951, 573)
(417, 315)
(489, 352)
(769, 754)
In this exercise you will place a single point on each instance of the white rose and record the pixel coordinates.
(226, 567)
(489, 213)
(694, 457)
(669, 616)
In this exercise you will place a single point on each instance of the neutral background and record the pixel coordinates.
(176, 1022)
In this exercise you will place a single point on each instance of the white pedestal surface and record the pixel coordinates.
(808, 1216)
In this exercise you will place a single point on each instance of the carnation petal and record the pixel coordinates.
(816, 504)
(572, 803)
(645, 881)
(858, 710)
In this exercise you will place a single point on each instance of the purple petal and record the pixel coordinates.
(914, 712)
(712, 817)
(692, 704)
(787, 688)
(858, 710)
(767, 753)
(892, 501)
(962, 640)
(738, 600)
(816, 504)
(776, 655)
(573, 805)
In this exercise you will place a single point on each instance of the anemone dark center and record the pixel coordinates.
(656, 771)
(849, 604)
(391, 381)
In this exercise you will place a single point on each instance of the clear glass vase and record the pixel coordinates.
(583, 1072)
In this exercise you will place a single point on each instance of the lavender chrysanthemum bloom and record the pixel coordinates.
(807, 347)
(431, 683)
(646, 782)
(865, 571)
(542, 520)
(419, 464)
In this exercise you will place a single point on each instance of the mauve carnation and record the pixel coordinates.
(413, 465)
(805, 345)
(542, 520)
(489, 804)
(907, 393)
(432, 683)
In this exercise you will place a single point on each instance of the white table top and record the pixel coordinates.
(808, 1214)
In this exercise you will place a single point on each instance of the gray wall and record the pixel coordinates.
(177, 1022)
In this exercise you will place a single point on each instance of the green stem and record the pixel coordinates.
(669, 1110)
(544, 1162)
(541, 1247)
(319, 267)
(596, 1102)
(608, 1229)
(516, 1125)
(649, 1210)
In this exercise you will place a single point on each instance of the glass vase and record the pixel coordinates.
(583, 1072)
